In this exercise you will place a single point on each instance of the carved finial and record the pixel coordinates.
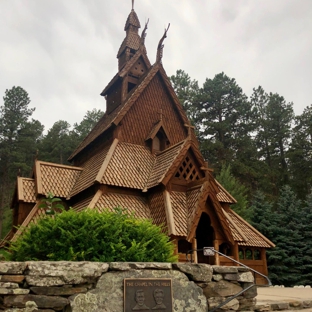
(161, 46)
(143, 35)
(132, 4)
(19, 172)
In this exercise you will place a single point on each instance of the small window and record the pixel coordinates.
(184, 246)
(156, 143)
(248, 254)
(257, 254)
(130, 86)
(226, 249)
(241, 253)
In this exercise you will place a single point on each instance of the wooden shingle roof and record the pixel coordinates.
(132, 20)
(224, 196)
(117, 114)
(244, 233)
(55, 178)
(89, 172)
(26, 190)
(162, 164)
(130, 166)
(179, 209)
(132, 41)
(134, 204)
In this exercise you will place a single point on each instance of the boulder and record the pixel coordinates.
(12, 267)
(196, 272)
(231, 305)
(45, 302)
(12, 278)
(126, 266)
(224, 269)
(109, 292)
(221, 289)
(246, 277)
(58, 291)
(56, 273)
(247, 304)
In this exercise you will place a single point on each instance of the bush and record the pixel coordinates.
(93, 236)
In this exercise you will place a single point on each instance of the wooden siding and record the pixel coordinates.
(145, 113)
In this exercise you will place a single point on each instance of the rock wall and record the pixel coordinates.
(94, 287)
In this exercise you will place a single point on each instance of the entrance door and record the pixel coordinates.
(204, 237)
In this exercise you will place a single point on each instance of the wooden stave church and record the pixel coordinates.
(143, 155)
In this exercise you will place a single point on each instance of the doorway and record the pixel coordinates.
(204, 238)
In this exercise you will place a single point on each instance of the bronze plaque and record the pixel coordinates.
(144, 294)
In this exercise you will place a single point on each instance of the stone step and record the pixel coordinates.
(291, 305)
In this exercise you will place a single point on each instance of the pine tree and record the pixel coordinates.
(306, 225)
(57, 145)
(187, 91)
(285, 260)
(237, 190)
(18, 142)
(262, 211)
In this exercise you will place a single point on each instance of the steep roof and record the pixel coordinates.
(26, 190)
(117, 115)
(55, 178)
(244, 233)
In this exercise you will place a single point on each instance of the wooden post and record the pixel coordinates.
(235, 253)
(263, 258)
(194, 247)
(216, 247)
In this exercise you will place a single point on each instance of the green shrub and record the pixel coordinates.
(93, 236)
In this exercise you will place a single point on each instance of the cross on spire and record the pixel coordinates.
(132, 4)
(189, 127)
(206, 170)
(161, 114)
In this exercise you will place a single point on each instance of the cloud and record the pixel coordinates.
(64, 52)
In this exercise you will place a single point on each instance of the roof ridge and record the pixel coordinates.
(106, 161)
(40, 162)
(225, 191)
(251, 227)
(171, 147)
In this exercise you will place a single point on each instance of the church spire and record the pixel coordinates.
(132, 41)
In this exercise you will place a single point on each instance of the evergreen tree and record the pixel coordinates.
(300, 154)
(261, 218)
(89, 120)
(306, 225)
(225, 118)
(274, 118)
(285, 260)
(18, 142)
(237, 190)
(57, 145)
(187, 91)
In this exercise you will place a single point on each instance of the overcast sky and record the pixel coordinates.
(63, 52)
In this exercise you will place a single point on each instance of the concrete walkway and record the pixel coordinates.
(271, 298)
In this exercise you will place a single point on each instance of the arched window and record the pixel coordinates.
(241, 253)
(248, 254)
(226, 249)
(257, 254)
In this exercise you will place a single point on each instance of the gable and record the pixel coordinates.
(138, 69)
(145, 113)
(189, 169)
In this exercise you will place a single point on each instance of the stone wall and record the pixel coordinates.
(94, 287)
